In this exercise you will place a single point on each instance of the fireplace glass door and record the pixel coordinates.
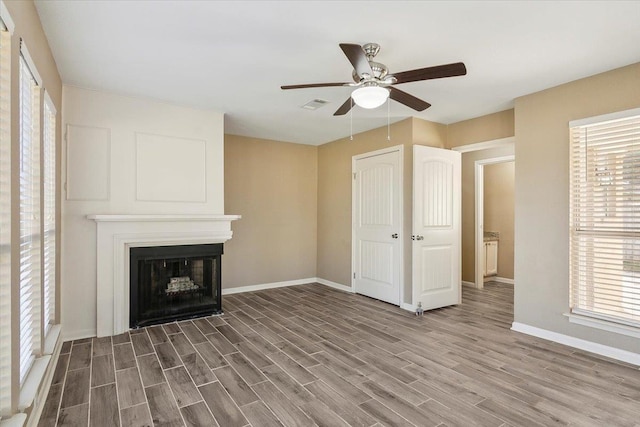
(174, 282)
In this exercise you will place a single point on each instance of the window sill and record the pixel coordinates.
(604, 325)
(17, 420)
(37, 373)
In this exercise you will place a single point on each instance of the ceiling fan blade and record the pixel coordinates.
(310, 85)
(357, 57)
(437, 72)
(344, 108)
(408, 100)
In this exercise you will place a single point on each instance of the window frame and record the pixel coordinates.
(30, 217)
(6, 332)
(598, 232)
(49, 214)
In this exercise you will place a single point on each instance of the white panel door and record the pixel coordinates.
(377, 224)
(436, 227)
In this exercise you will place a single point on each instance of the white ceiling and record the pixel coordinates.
(232, 56)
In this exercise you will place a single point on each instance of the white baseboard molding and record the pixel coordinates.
(601, 349)
(469, 284)
(77, 335)
(334, 285)
(263, 286)
(502, 280)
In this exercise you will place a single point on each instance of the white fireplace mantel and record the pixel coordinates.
(116, 234)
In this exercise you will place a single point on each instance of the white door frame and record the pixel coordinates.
(479, 222)
(400, 149)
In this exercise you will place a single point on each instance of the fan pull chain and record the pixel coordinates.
(388, 120)
(351, 119)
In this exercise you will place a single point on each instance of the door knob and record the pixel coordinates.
(394, 236)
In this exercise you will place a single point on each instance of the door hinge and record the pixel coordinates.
(354, 175)
(354, 275)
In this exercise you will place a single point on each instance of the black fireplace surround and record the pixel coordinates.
(170, 283)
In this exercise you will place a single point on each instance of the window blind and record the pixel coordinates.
(605, 220)
(5, 221)
(30, 258)
(49, 141)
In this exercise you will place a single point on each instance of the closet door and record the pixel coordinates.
(377, 225)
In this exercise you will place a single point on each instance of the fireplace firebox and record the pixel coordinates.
(170, 283)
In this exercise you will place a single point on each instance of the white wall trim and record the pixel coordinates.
(30, 63)
(6, 18)
(263, 286)
(77, 335)
(468, 284)
(605, 325)
(335, 285)
(500, 279)
(603, 350)
(485, 145)
(604, 117)
(168, 218)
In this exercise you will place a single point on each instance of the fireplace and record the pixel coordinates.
(170, 283)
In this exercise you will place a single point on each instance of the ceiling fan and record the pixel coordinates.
(374, 83)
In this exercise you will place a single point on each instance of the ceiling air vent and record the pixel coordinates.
(314, 104)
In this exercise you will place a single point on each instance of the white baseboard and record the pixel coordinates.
(469, 284)
(77, 335)
(502, 280)
(334, 285)
(263, 286)
(603, 350)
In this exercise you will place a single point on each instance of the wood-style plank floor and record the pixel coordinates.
(310, 355)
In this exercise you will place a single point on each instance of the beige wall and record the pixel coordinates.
(334, 193)
(499, 211)
(28, 27)
(486, 128)
(542, 196)
(273, 185)
(480, 129)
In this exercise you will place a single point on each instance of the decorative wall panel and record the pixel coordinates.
(88, 163)
(170, 169)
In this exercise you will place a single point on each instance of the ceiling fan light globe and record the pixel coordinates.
(370, 96)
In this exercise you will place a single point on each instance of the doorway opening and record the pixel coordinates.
(487, 241)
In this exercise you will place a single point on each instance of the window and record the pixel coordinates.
(5, 219)
(30, 258)
(49, 141)
(28, 228)
(605, 218)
